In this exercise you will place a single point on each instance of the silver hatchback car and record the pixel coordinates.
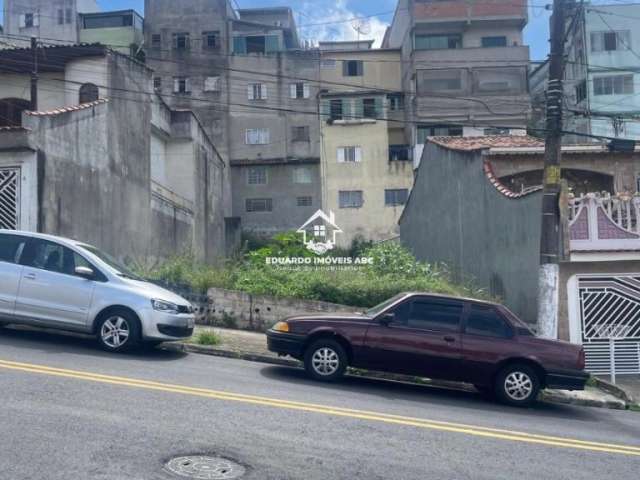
(59, 283)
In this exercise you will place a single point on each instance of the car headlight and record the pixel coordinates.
(281, 327)
(164, 307)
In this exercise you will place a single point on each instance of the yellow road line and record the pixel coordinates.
(474, 430)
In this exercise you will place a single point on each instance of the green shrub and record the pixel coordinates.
(208, 337)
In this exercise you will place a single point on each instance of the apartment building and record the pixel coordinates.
(601, 76)
(464, 67)
(121, 30)
(366, 159)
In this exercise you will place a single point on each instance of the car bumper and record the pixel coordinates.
(167, 327)
(567, 379)
(285, 343)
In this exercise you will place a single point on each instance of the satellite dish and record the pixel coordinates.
(362, 26)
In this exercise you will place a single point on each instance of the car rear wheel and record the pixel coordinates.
(517, 385)
(326, 360)
(118, 331)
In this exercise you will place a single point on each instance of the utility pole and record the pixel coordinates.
(548, 279)
(34, 75)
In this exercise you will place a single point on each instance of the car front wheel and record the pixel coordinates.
(326, 360)
(518, 385)
(118, 331)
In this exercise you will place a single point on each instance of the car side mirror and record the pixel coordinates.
(85, 272)
(387, 319)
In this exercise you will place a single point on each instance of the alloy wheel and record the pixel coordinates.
(325, 361)
(115, 332)
(518, 386)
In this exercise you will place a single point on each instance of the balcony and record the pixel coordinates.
(437, 11)
(400, 153)
(604, 223)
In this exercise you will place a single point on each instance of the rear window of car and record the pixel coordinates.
(485, 321)
(10, 247)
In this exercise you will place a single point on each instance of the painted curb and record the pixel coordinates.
(552, 396)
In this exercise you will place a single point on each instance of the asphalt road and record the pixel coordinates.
(69, 411)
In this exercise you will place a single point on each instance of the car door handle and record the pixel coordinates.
(449, 339)
(30, 276)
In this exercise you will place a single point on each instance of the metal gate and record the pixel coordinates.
(609, 310)
(10, 198)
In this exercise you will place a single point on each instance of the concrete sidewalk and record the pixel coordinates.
(252, 346)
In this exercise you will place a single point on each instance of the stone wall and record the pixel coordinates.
(233, 309)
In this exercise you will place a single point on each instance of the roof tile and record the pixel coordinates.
(470, 144)
(73, 108)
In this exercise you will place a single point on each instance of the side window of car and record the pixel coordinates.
(44, 255)
(435, 315)
(486, 321)
(401, 313)
(11, 247)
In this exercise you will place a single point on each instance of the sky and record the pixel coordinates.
(309, 12)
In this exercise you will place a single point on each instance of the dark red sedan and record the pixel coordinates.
(438, 337)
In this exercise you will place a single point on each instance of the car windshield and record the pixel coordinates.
(372, 312)
(120, 269)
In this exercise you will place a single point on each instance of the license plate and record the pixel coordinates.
(191, 323)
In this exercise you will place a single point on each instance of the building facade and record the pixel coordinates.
(464, 67)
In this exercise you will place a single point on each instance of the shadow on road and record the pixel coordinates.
(55, 343)
(425, 394)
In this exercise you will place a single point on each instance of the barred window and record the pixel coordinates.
(395, 197)
(302, 175)
(304, 201)
(613, 85)
(350, 199)
(257, 176)
(259, 205)
(257, 136)
(349, 154)
(300, 134)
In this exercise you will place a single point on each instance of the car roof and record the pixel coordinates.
(450, 297)
(43, 236)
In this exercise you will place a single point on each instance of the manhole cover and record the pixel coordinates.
(205, 467)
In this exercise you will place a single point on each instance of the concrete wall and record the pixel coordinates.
(51, 89)
(456, 216)
(283, 191)
(259, 312)
(382, 70)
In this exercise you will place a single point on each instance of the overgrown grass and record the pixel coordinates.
(394, 270)
(208, 337)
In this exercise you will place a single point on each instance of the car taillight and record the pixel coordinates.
(581, 359)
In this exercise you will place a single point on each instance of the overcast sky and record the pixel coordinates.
(309, 12)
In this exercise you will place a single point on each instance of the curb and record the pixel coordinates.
(613, 389)
(552, 396)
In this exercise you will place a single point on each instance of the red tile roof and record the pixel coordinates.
(73, 108)
(495, 181)
(470, 144)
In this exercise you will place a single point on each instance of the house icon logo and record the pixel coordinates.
(319, 232)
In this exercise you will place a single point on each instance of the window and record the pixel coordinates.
(157, 83)
(369, 109)
(305, 202)
(300, 90)
(45, 256)
(68, 15)
(496, 131)
(257, 91)
(433, 42)
(393, 198)
(302, 175)
(581, 91)
(61, 16)
(319, 230)
(156, 40)
(425, 131)
(181, 85)
(181, 41)
(352, 68)
(494, 41)
(212, 84)
(437, 81)
(29, 20)
(399, 153)
(440, 316)
(350, 199)
(610, 41)
(485, 321)
(509, 80)
(349, 154)
(613, 85)
(335, 109)
(257, 176)
(300, 134)
(11, 248)
(108, 21)
(210, 40)
(257, 136)
(256, 44)
(259, 205)
(89, 93)
(396, 102)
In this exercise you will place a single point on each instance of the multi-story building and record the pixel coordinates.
(464, 67)
(120, 30)
(56, 21)
(601, 75)
(366, 158)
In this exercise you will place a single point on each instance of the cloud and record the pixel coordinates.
(335, 24)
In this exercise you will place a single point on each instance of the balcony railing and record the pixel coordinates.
(400, 153)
